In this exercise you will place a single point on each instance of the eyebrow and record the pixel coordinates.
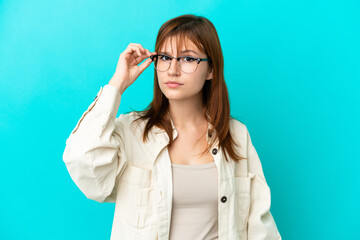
(185, 51)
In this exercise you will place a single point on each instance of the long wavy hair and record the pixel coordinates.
(215, 97)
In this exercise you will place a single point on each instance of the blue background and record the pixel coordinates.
(292, 69)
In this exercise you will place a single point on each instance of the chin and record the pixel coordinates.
(173, 96)
(171, 93)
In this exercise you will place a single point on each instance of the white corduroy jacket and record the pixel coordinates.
(109, 162)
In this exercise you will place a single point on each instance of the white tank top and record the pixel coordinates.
(195, 202)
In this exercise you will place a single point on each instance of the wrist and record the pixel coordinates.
(118, 84)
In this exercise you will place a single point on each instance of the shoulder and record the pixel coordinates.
(127, 117)
(127, 122)
(238, 128)
(239, 132)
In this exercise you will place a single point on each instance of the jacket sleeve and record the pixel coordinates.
(261, 224)
(94, 150)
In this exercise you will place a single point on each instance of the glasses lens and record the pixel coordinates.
(162, 63)
(188, 64)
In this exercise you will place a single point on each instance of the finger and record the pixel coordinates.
(133, 50)
(141, 52)
(149, 54)
(129, 52)
(144, 50)
(144, 65)
(152, 54)
(135, 53)
(143, 55)
(140, 46)
(140, 59)
(146, 54)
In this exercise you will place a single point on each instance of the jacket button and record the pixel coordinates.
(209, 134)
(223, 199)
(214, 151)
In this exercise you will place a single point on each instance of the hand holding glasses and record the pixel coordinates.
(127, 69)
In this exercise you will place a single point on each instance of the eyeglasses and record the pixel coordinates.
(187, 64)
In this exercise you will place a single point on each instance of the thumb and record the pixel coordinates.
(144, 65)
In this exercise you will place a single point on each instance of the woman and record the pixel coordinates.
(182, 168)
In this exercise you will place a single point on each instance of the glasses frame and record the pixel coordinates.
(198, 60)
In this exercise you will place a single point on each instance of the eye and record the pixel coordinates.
(189, 59)
(164, 58)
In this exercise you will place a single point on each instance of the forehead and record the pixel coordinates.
(174, 44)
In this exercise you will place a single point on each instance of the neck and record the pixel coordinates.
(187, 113)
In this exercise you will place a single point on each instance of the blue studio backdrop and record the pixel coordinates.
(291, 67)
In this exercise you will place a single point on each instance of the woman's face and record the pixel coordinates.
(191, 84)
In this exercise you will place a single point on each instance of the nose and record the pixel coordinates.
(174, 67)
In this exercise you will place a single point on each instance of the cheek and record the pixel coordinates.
(160, 79)
(199, 80)
(162, 76)
(193, 87)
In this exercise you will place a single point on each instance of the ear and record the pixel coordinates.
(210, 75)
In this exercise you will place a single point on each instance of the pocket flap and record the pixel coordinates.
(243, 184)
(137, 176)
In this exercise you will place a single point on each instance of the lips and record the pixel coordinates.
(173, 84)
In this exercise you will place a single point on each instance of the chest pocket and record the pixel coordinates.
(134, 205)
(242, 206)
